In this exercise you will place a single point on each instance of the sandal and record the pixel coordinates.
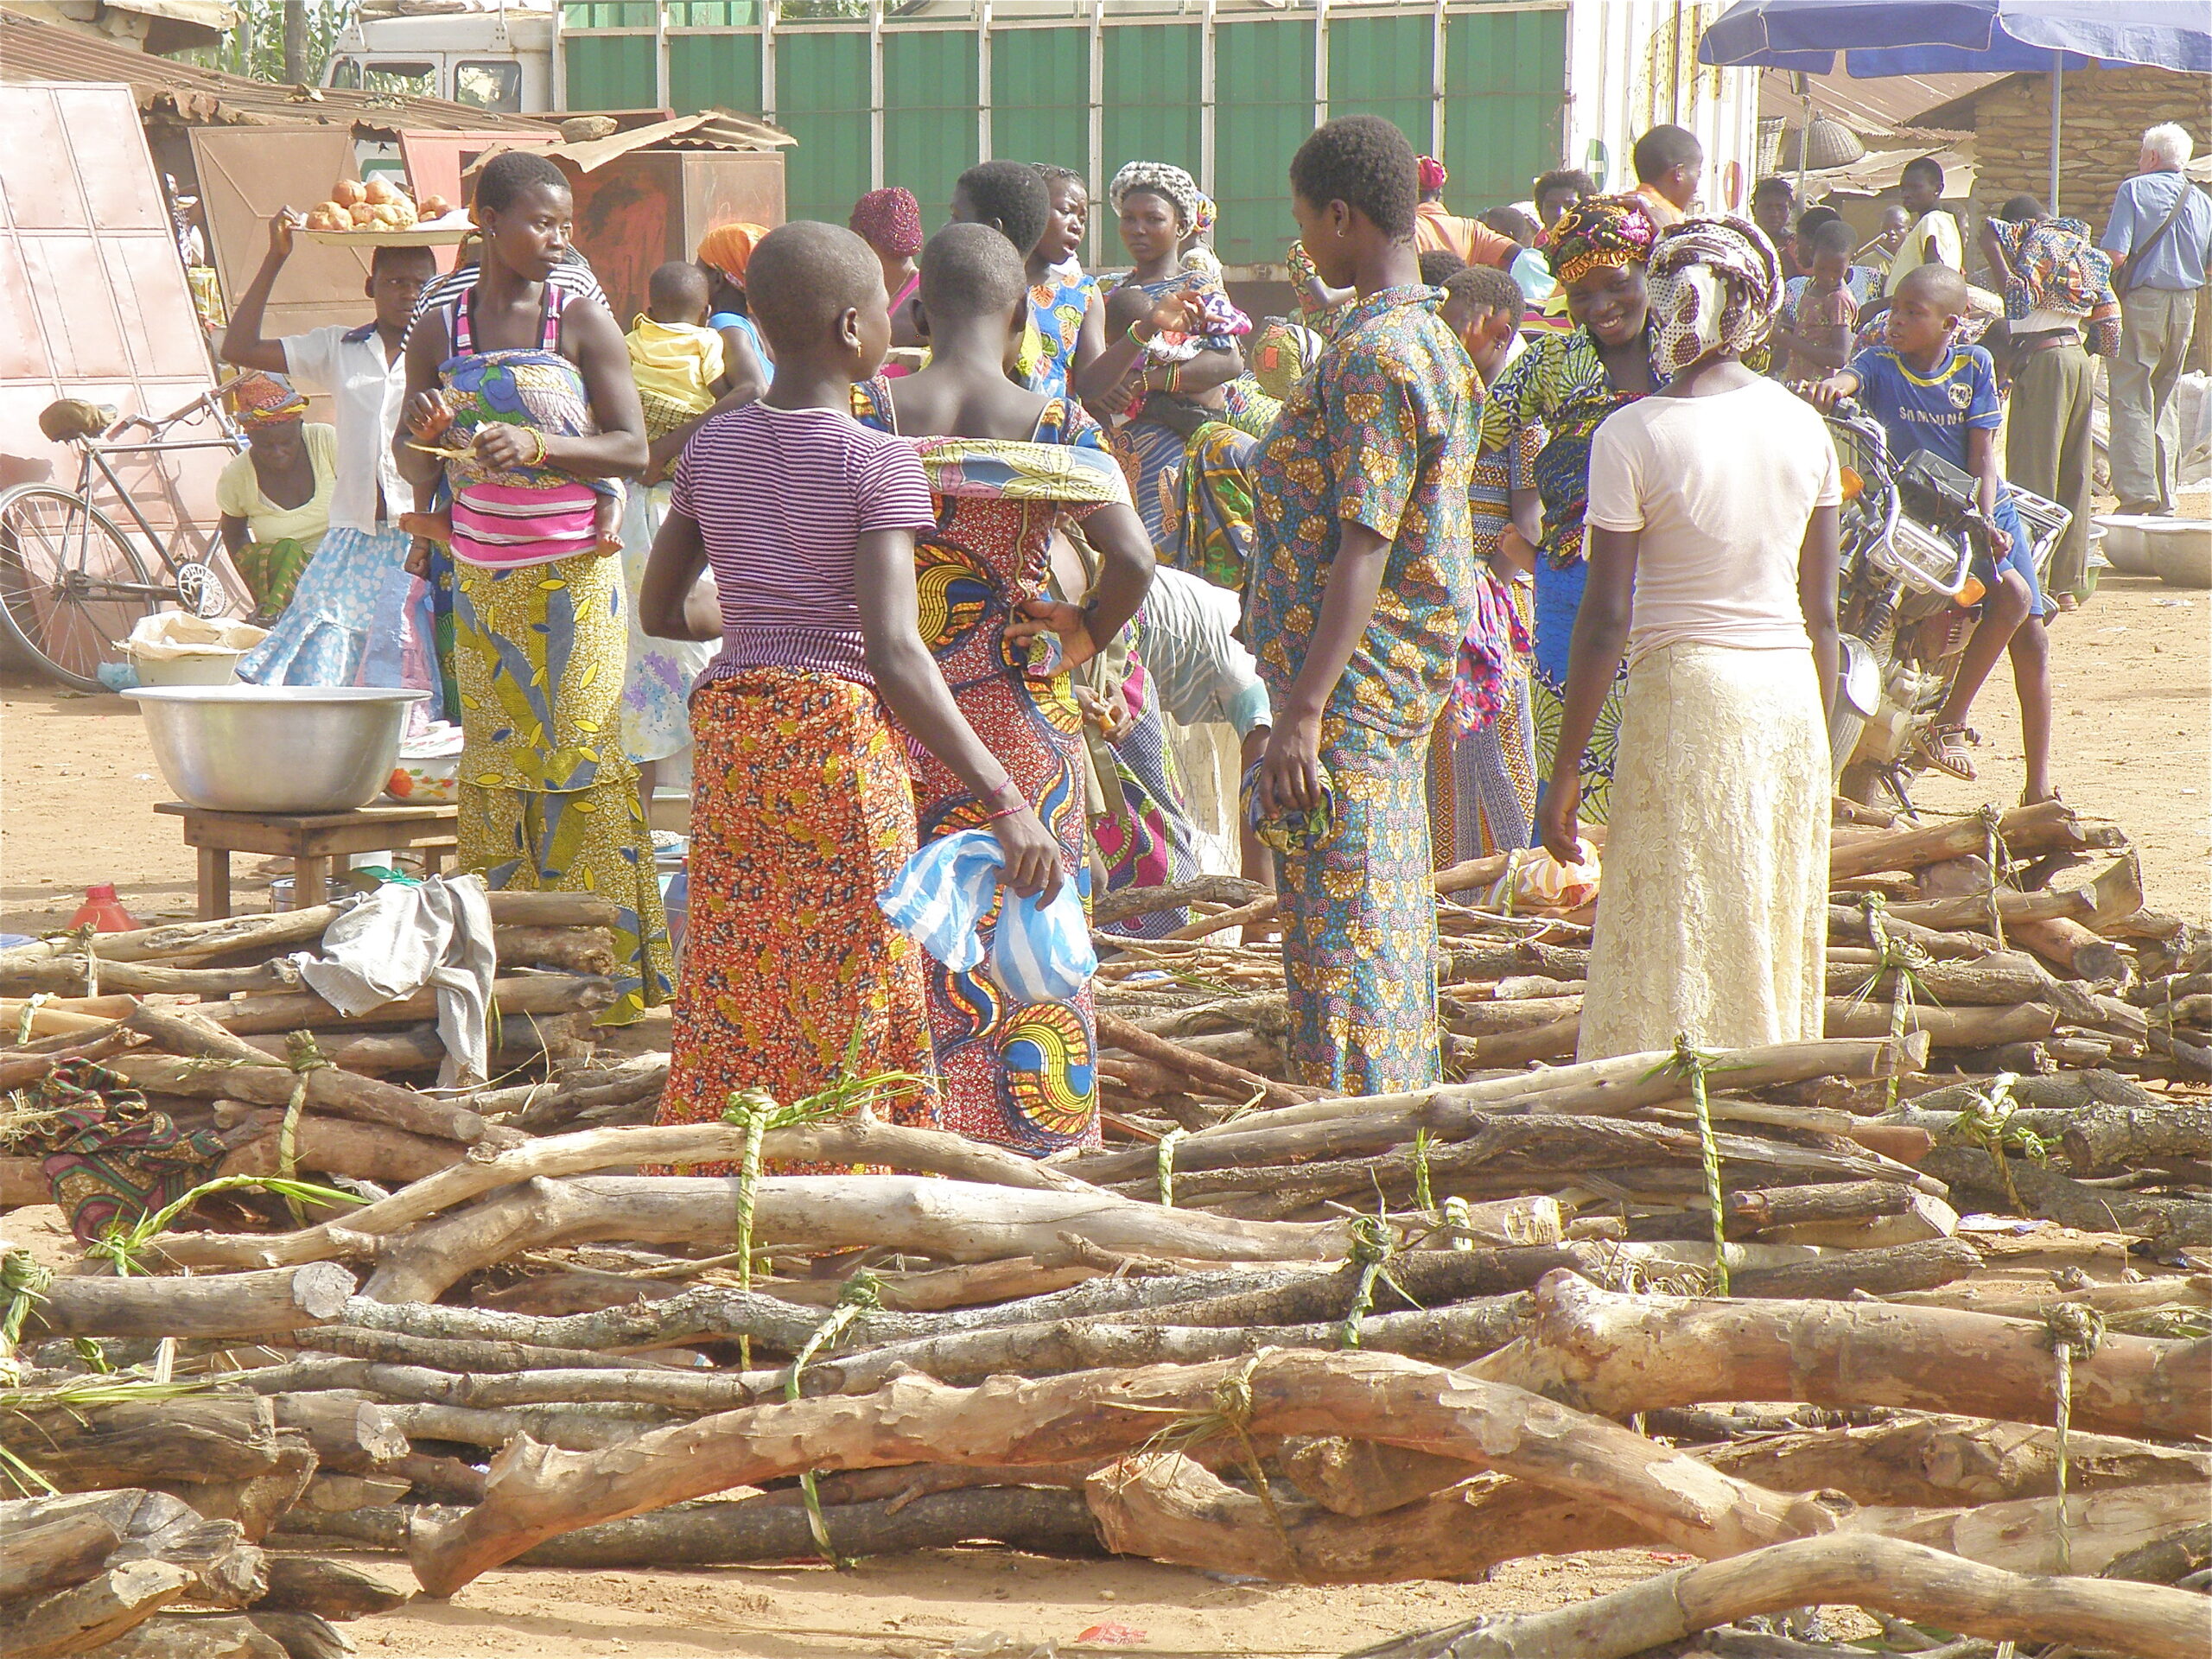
(1944, 747)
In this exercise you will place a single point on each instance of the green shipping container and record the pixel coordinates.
(912, 94)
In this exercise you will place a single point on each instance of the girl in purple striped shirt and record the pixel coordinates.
(802, 807)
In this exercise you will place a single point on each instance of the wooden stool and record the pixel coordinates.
(311, 840)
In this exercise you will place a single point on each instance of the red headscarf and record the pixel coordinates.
(890, 222)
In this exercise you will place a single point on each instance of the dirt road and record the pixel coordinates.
(2133, 742)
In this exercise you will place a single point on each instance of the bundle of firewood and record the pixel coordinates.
(1912, 1319)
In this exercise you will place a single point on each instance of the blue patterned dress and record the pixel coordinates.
(1380, 434)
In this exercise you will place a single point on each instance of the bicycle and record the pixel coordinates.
(72, 584)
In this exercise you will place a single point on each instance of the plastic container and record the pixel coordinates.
(176, 648)
(103, 911)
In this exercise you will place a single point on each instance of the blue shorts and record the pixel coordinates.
(2022, 557)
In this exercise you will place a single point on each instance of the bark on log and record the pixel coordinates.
(1945, 1462)
(1609, 1087)
(340, 1145)
(821, 1213)
(568, 950)
(1882, 1271)
(329, 1089)
(70, 1623)
(1215, 1077)
(1613, 1354)
(573, 1428)
(2170, 1223)
(460, 1356)
(1847, 927)
(2176, 1556)
(523, 1039)
(330, 1493)
(1359, 1478)
(517, 994)
(350, 1436)
(2047, 827)
(184, 940)
(138, 1442)
(1909, 1580)
(305, 1584)
(2113, 897)
(1962, 1027)
(2076, 952)
(2104, 1139)
(537, 1493)
(441, 1480)
(55, 1541)
(238, 1304)
(929, 1150)
(168, 1636)
(538, 1106)
(257, 1500)
(303, 1636)
(1109, 907)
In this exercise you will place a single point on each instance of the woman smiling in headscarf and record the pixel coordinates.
(1567, 383)
(723, 254)
(1713, 918)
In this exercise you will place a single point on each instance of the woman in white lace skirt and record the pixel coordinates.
(1712, 566)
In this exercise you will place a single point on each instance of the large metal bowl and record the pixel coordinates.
(275, 748)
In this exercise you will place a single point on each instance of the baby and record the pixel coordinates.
(676, 358)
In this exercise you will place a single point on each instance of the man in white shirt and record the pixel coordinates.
(2159, 236)
(320, 638)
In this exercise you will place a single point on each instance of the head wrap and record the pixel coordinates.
(1434, 175)
(264, 400)
(1715, 284)
(728, 248)
(1163, 178)
(890, 222)
(1600, 231)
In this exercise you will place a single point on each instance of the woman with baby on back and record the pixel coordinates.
(803, 803)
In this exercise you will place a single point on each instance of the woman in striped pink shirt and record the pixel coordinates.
(802, 807)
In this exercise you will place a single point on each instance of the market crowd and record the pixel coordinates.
(966, 586)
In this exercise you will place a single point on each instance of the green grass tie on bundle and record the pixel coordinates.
(862, 1293)
(1903, 958)
(122, 1244)
(1989, 1123)
(1692, 1064)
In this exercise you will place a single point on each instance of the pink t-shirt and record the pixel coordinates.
(782, 497)
(1720, 489)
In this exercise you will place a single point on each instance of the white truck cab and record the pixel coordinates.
(497, 54)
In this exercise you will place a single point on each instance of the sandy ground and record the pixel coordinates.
(2132, 672)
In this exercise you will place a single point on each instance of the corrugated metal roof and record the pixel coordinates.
(1894, 106)
(33, 51)
(707, 129)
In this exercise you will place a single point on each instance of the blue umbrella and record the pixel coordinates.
(1878, 38)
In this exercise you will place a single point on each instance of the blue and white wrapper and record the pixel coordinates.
(1039, 953)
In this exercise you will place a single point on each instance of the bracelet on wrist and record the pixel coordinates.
(1005, 812)
(1004, 792)
(1136, 339)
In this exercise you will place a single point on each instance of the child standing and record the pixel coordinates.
(676, 358)
(1931, 394)
(803, 805)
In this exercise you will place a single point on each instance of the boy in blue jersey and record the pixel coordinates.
(1930, 394)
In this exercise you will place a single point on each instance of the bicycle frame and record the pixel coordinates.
(93, 453)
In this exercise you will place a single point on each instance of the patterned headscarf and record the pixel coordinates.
(728, 248)
(1434, 175)
(1163, 178)
(890, 222)
(1600, 231)
(1715, 286)
(265, 400)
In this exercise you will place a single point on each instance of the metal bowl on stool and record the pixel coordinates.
(275, 748)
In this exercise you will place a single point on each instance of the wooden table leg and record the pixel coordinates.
(309, 883)
(214, 884)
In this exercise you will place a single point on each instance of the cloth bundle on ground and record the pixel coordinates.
(405, 936)
(1039, 953)
(108, 1157)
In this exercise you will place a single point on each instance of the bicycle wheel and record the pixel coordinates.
(59, 560)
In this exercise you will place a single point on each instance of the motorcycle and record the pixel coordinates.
(1911, 536)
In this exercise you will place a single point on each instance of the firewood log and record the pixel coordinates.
(302, 1636)
(570, 949)
(2171, 1558)
(350, 1436)
(536, 1493)
(1616, 1354)
(329, 1089)
(2077, 951)
(257, 1500)
(2102, 1139)
(2049, 826)
(1881, 1271)
(514, 995)
(139, 1442)
(2171, 1222)
(338, 1146)
(329, 1494)
(70, 1623)
(56, 1541)
(236, 1305)
(1212, 1075)
(305, 1584)
(1920, 1584)
(175, 1635)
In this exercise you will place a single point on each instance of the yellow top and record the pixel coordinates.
(676, 361)
(237, 494)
